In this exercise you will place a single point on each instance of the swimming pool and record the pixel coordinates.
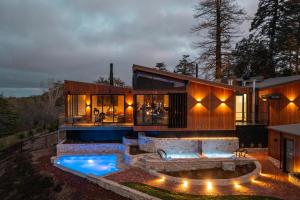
(98, 165)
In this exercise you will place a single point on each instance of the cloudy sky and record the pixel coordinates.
(43, 40)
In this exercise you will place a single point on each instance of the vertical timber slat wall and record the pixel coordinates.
(178, 110)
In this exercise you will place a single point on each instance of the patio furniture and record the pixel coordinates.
(99, 118)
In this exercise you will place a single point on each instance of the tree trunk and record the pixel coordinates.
(218, 41)
(272, 37)
(297, 61)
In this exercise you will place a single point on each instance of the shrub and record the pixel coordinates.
(21, 136)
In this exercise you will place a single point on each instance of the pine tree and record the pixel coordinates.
(249, 57)
(289, 38)
(185, 66)
(266, 25)
(218, 20)
(161, 66)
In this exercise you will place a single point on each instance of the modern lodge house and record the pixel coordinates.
(252, 113)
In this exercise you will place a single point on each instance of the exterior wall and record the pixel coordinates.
(283, 111)
(276, 149)
(93, 148)
(274, 144)
(89, 89)
(215, 112)
(174, 145)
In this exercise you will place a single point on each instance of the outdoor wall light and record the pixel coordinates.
(129, 105)
(209, 185)
(199, 101)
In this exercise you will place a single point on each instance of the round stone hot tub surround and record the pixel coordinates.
(188, 145)
(217, 182)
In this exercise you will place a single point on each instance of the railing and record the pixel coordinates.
(260, 118)
(32, 144)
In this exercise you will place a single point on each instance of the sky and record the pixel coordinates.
(42, 40)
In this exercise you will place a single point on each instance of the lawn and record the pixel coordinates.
(167, 195)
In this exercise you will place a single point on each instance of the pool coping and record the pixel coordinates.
(218, 182)
(109, 185)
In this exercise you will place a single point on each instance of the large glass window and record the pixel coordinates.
(144, 80)
(111, 107)
(76, 105)
(241, 107)
(152, 109)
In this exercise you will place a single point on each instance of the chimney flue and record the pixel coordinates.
(111, 74)
(197, 69)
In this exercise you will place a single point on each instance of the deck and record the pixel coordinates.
(92, 126)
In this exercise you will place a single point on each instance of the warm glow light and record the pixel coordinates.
(209, 185)
(185, 184)
(253, 180)
(162, 179)
(266, 175)
(237, 186)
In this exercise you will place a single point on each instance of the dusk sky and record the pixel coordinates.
(77, 39)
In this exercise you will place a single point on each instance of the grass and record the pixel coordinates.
(167, 195)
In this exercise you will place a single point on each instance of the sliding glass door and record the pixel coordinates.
(151, 109)
(112, 107)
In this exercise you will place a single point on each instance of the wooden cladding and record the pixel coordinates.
(177, 110)
(284, 110)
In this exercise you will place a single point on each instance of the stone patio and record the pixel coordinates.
(273, 182)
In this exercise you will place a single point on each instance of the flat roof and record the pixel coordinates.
(293, 129)
(270, 82)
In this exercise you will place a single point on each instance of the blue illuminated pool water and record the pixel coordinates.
(218, 155)
(97, 165)
(182, 155)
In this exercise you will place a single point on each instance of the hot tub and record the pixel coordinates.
(218, 155)
(182, 155)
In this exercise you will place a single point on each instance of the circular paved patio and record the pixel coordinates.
(272, 183)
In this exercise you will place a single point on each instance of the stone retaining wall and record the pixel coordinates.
(93, 148)
(188, 145)
(127, 141)
(220, 182)
(192, 164)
